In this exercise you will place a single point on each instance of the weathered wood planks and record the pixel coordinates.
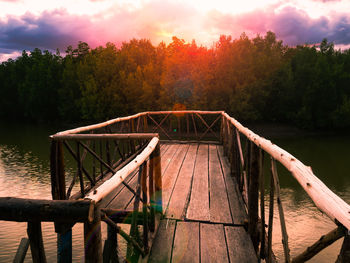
(240, 246)
(198, 208)
(238, 212)
(186, 242)
(180, 196)
(219, 207)
(163, 242)
(181, 241)
(170, 176)
(213, 244)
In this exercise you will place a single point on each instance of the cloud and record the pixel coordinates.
(155, 20)
(160, 20)
(292, 25)
(51, 30)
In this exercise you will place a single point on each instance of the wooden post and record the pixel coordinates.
(269, 234)
(58, 191)
(188, 127)
(262, 204)
(230, 145)
(222, 131)
(144, 207)
(64, 246)
(58, 183)
(151, 193)
(280, 210)
(158, 179)
(145, 124)
(80, 173)
(253, 195)
(36, 242)
(93, 239)
(22, 250)
(110, 252)
(344, 255)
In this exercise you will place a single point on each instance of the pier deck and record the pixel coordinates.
(182, 199)
(203, 212)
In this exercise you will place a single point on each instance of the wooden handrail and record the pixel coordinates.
(120, 175)
(106, 136)
(327, 201)
(106, 123)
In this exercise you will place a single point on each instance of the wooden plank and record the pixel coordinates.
(240, 246)
(181, 193)
(170, 175)
(219, 206)
(163, 242)
(168, 156)
(186, 242)
(198, 208)
(238, 212)
(213, 244)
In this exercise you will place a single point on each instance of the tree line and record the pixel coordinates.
(253, 79)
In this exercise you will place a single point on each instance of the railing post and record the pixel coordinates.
(145, 124)
(253, 195)
(58, 191)
(151, 193)
(158, 179)
(36, 242)
(93, 239)
(222, 130)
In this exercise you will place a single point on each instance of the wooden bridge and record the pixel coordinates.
(190, 184)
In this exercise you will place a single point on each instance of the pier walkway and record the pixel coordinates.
(191, 185)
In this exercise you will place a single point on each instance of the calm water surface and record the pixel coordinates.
(24, 172)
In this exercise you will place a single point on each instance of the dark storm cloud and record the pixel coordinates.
(50, 30)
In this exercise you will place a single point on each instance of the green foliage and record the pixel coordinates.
(258, 79)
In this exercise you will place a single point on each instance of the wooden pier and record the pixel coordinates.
(189, 183)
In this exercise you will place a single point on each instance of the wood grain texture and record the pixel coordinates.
(180, 196)
(238, 212)
(186, 242)
(198, 208)
(171, 173)
(240, 246)
(219, 206)
(163, 242)
(168, 156)
(213, 244)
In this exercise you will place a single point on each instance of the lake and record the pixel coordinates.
(24, 172)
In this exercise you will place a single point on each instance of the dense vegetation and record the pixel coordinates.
(258, 79)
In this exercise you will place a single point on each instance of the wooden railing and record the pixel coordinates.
(247, 158)
(104, 160)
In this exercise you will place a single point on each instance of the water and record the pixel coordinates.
(24, 172)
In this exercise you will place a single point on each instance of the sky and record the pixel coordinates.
(52, 24)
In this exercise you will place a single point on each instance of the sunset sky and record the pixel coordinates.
(51, 24)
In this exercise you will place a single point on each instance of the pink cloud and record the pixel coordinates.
(160, 20)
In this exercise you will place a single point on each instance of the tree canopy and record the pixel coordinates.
(254, 79)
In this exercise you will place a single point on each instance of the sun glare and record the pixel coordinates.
(233, 7)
